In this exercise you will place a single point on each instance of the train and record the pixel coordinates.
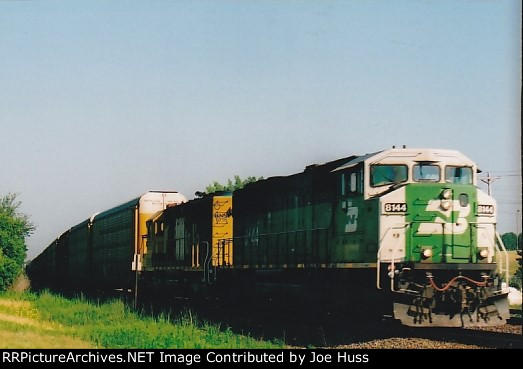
(403, 231)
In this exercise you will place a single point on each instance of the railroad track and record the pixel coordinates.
(515, 317)
(476, 337)
(392, 335)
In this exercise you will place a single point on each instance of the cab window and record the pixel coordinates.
(351, 183)
(461, 175)
(381, 175)
(158, 228)
(426, 173)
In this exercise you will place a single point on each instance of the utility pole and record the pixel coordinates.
(488, 180)
(517, 229)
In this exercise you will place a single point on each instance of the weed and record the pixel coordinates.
(114, 325)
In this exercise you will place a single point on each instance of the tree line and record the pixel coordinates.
(511, 241)
(14, 228)
(231, 185)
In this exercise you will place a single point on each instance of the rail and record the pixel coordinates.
(515, 317)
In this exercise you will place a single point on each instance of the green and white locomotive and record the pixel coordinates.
(435, 233)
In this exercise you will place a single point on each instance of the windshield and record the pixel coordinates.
(426, 173)
(381, 175)
(461, 175)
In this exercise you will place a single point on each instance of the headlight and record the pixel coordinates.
(447, 194)
(483, 253)
(427, 253)
(445, 205)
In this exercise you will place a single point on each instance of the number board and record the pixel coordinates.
(395, 207)
(486, 209)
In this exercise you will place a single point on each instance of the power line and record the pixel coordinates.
(506, 171)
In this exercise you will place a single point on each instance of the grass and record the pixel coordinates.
(48, 321)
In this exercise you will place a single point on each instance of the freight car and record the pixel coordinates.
(401, 231)
(100, 253)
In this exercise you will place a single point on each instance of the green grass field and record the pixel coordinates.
(48, 321)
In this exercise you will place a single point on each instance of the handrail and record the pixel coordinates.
(378, 268)
(499, 249)
(264, 239)
(378, 257)
(223, 251)
(206, 264)
(503, 251)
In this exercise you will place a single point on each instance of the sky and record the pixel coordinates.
(101, 101)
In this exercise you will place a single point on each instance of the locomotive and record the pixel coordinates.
(404, 232)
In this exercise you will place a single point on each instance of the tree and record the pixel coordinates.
(14, 228)
(510, 240)
(230, 186)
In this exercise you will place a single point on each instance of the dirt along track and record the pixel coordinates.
(505, 336)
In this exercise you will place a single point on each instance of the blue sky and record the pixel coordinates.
(103, 100)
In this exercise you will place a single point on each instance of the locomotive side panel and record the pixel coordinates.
(356, 219)
(288, 222)
(273, 223)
